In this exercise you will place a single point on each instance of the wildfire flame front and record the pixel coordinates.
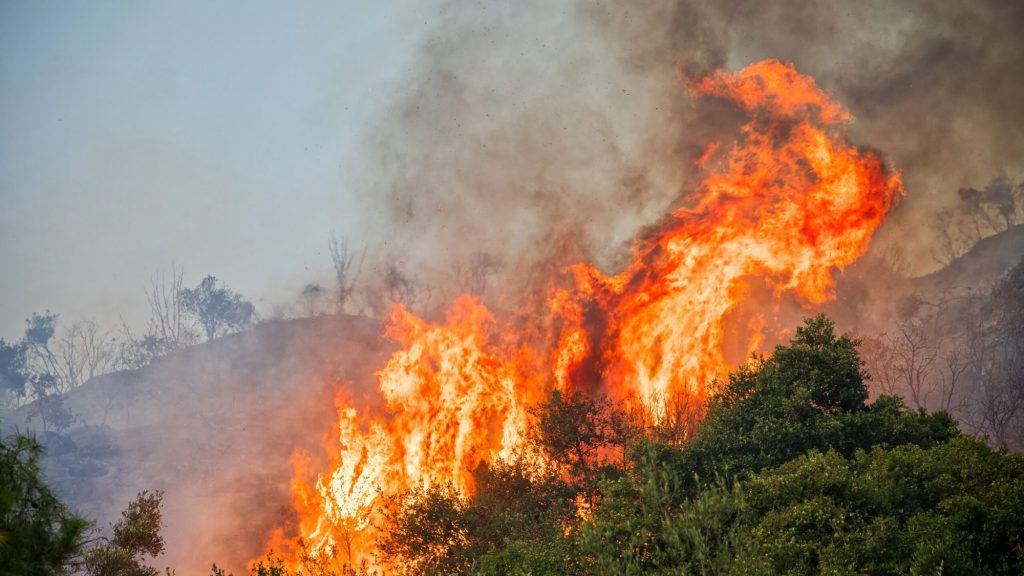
(788, 200)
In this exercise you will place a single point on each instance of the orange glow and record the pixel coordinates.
(788, 200)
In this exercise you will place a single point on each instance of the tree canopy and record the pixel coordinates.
(218, 309)
(41, 536)
(38, 533)
(793, 471)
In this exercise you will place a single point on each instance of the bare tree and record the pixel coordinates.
(167, 319)
(914, 351)
(42, 364)
(996, 410)
(951, 375)
(679, 422)
(472, 275)
(949, 245)
(347, 268)
(982, 404)
(991, 335)
(45, 376)
(167, 328)
(1003, 401)
(85, 352)
(967, 349)
(880, 363)
(920, 354)
(68, 361)
(392, 284)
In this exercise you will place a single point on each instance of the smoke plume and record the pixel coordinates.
(522, 120)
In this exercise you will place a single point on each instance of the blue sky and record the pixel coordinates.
(213, 135)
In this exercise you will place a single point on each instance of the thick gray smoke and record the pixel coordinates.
(521, 123)
(568, 116)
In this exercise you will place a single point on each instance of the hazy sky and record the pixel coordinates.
(232, 138)
(213, 135)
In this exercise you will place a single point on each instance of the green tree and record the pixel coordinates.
(523, 516)
(522, 520)
(628, 534)
(218, 309)
(955, 508)
(428, 533)
(38, 534)
(13, 372)
(810, 394)
(583, 434)
(683, 505)
(269, 566)
(135, 536)
(33, 370)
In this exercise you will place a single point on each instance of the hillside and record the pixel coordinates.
(215, 427)
(980, 265)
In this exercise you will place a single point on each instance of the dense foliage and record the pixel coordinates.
(793, 471)
(40, 536)
(135, 535)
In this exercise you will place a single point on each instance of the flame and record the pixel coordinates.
(788, 201)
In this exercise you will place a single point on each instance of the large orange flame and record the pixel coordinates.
(788, 201)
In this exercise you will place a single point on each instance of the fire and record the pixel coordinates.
(789, 201)
(454, 401)
(453, 404)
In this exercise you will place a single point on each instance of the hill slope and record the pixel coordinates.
(983, 263)
(213, 426)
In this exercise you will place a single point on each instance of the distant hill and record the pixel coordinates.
(869, 292)
(215, 427)
(983, 263)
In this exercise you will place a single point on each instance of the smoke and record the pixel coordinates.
(517, 123)
(215, 427)
(251, 403)
(568, 116)
(524, 123)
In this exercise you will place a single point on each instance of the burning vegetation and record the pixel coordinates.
(664, 415)
(788, 201)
